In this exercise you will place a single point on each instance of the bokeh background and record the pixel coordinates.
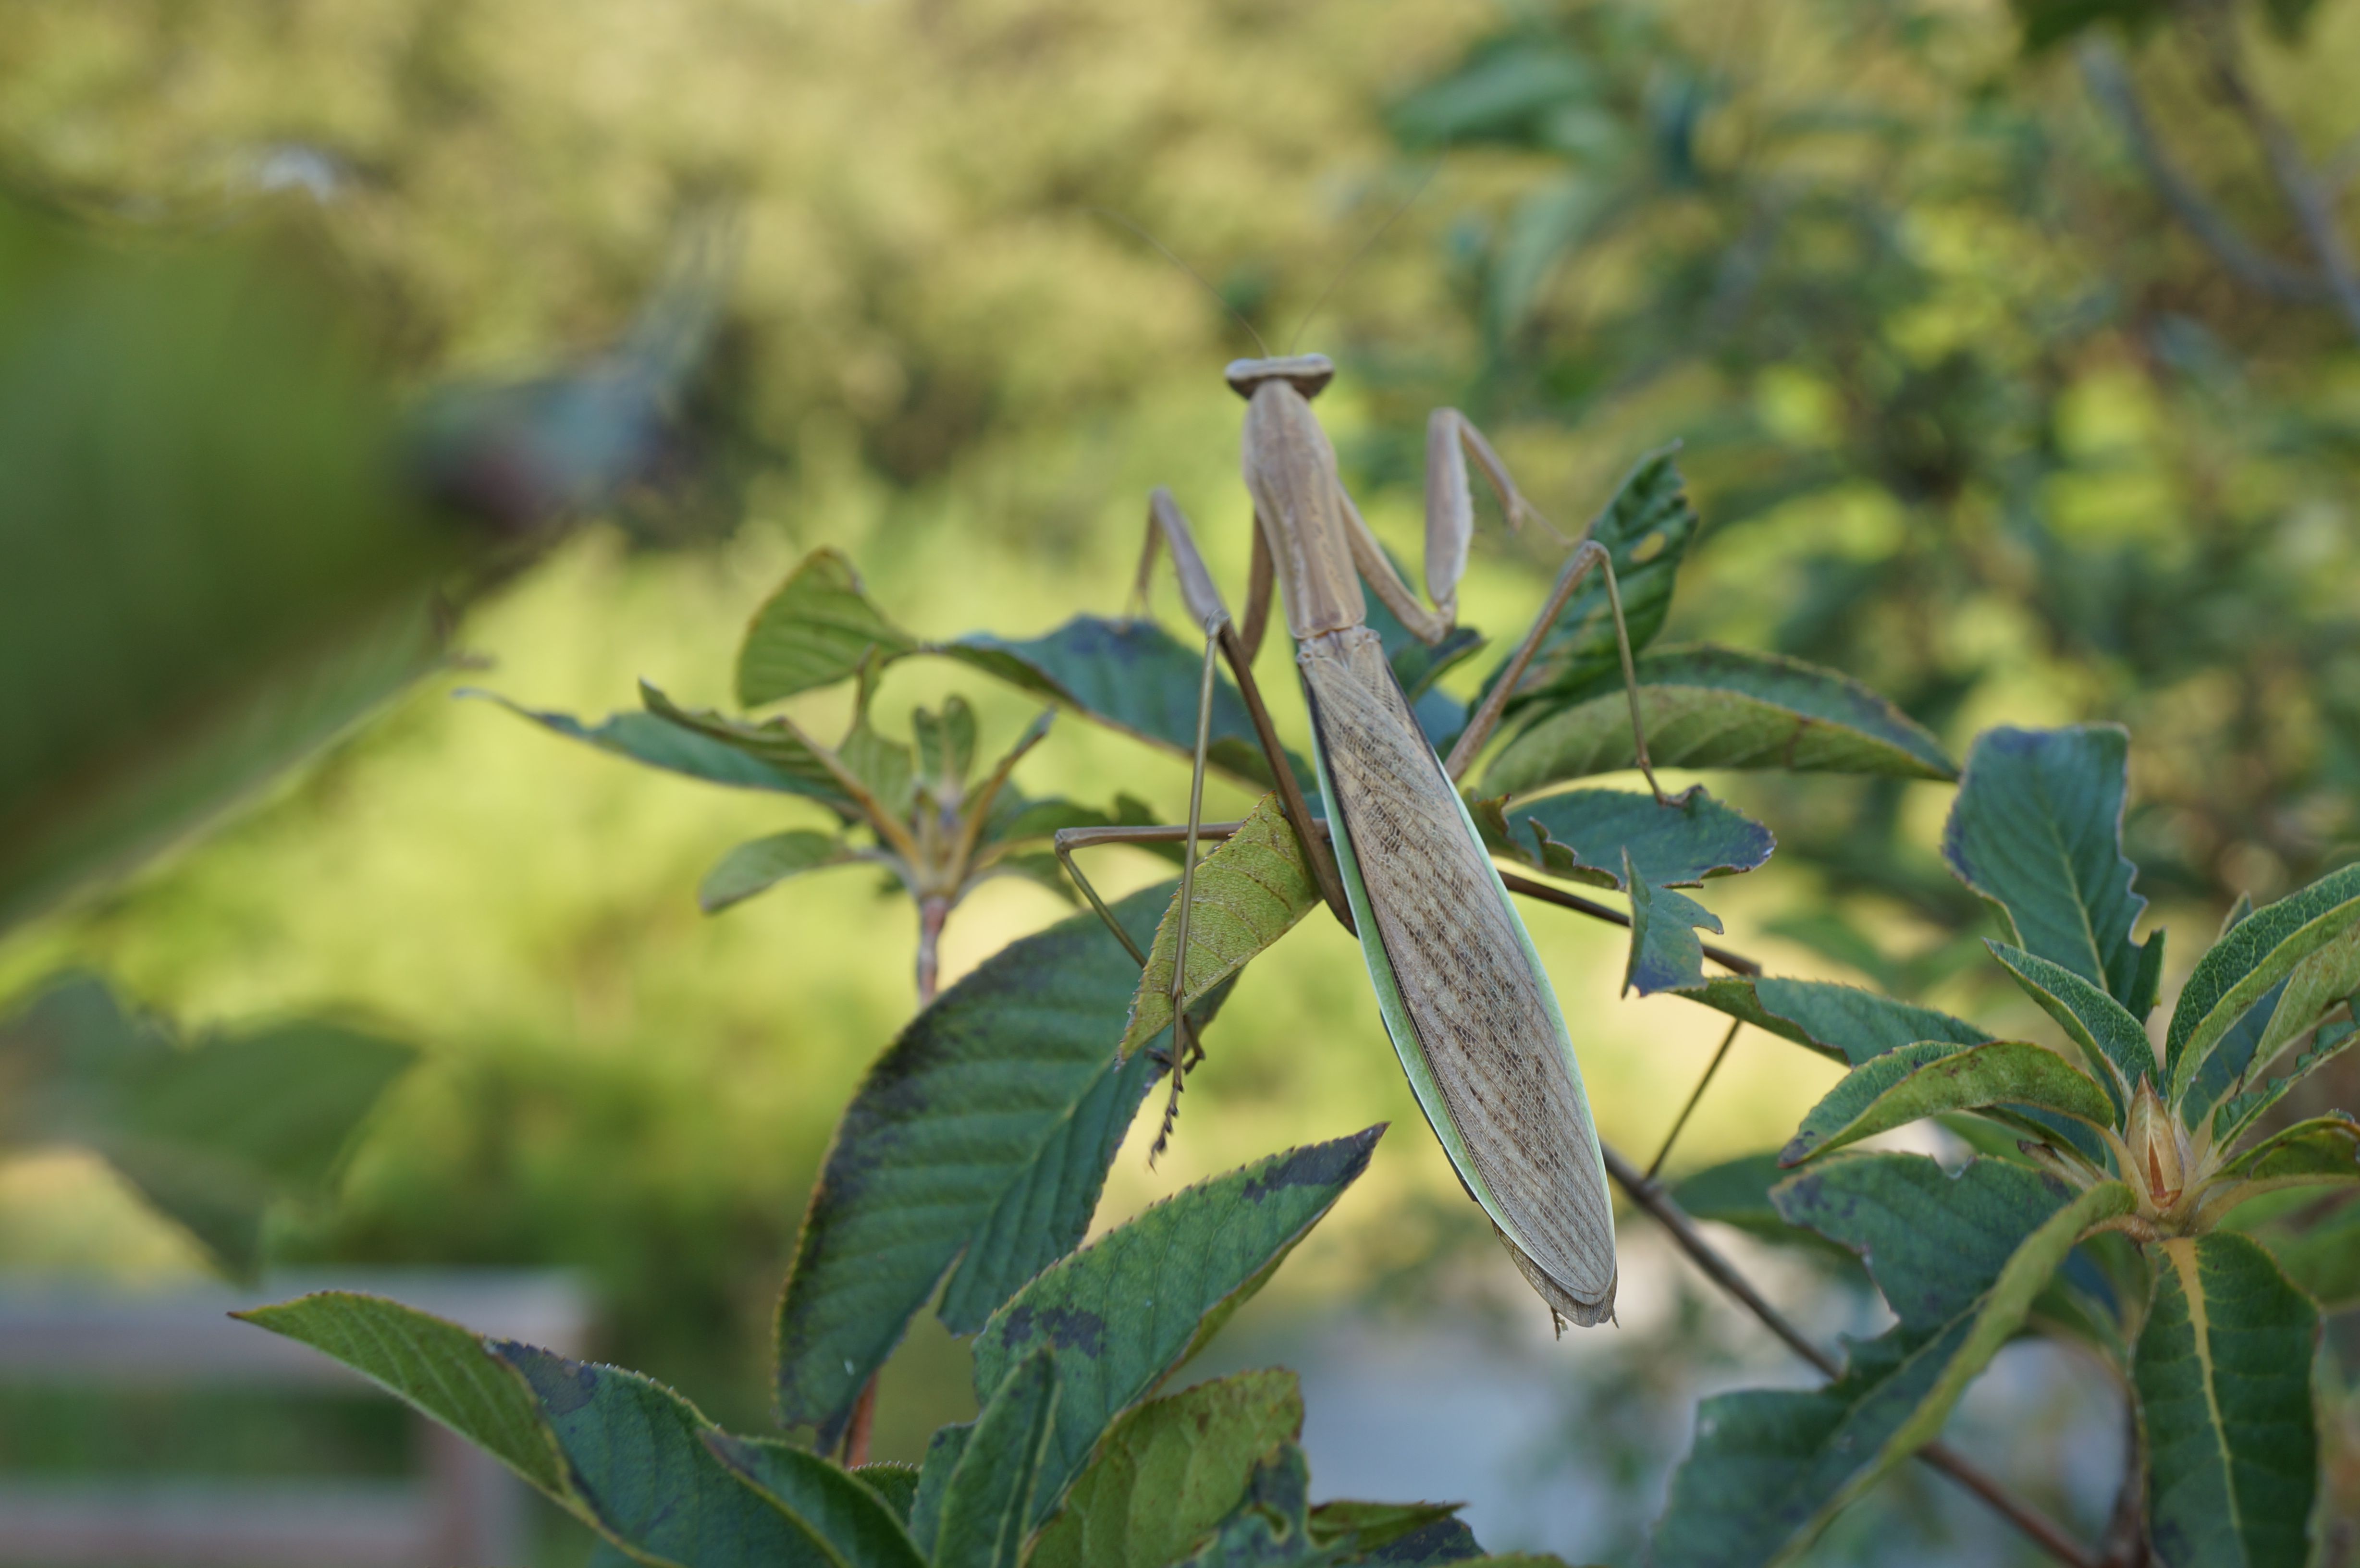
(2011, 380)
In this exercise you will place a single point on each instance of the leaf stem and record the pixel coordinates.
(1649, 1195)
(1711, 1067)
(1735, 963)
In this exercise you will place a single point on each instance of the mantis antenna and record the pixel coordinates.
(1354, 259)
(1218, 298)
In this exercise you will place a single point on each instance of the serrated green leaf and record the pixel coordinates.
(1933, 1076)
(761, 864)
(1121, 1313)
(1842, 1021)
(841, 1512)
(982, 1096)
(896, 1485)
(1250, 891)
(2037, 830)
(2223, 1371)
(1665, 952)
(212, 1131)
(988, 1501)
(945, 744)
(1646, 529)
(1960, 1263)
(656, 741)
(2113, 1042)
(636, 1456)
(1045, 1208)
(1398, 1535)
(1169, 1472)
(1585, 835)
(2322, 1150)
(1736, 1192)
(1717, 707)
(814, 630)
(1273, 1526)
(433, 1365)
(1131, 676)
(2237, 1116)
(2243, 966)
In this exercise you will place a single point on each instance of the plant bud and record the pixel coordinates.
(2157, 1146)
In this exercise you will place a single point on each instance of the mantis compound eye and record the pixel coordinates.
(1308, 374)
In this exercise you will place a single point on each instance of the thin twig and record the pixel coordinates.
(2109, 82)
(1651, 1196)
(1735, 963)
(1711, 1067)
(2305, 191)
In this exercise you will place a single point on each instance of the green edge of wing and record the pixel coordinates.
(1400, 1029)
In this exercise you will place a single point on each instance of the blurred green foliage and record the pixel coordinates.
(1969, 415)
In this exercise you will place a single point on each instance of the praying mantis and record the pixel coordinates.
(1397, 858)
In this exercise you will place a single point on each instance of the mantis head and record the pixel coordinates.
(1308, 374)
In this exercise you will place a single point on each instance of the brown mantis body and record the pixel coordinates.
(1465, 999)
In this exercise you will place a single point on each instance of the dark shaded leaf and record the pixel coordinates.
(1923, 1079)
(1665, 952)
(2223, 1371)
(989, 1499)
(654, 739)
(895, 1485)
(2036, 829)
(999, 1088)
(1717, 707)
(1843, 1021)
(1585, 835)
(814, 630)
(1131, 676)
(2325, 1259)
(846, 1514)
(944, 1451)
(1737, 1193)
(1124, 1311)
(1960, 1263)
(761, 864)
(212, 1131)
(1169, 1472)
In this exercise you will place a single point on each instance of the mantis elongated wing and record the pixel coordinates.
(1464, 997)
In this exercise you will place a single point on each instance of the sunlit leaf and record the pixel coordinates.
(1711, 707)
(2222, 1370)
(1250, 891)
(2037, 830)
(761, 863)
(1923, 1079)
(2321, 1149)
(1124, 1311)
(2236, 1116)
(814, 630)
